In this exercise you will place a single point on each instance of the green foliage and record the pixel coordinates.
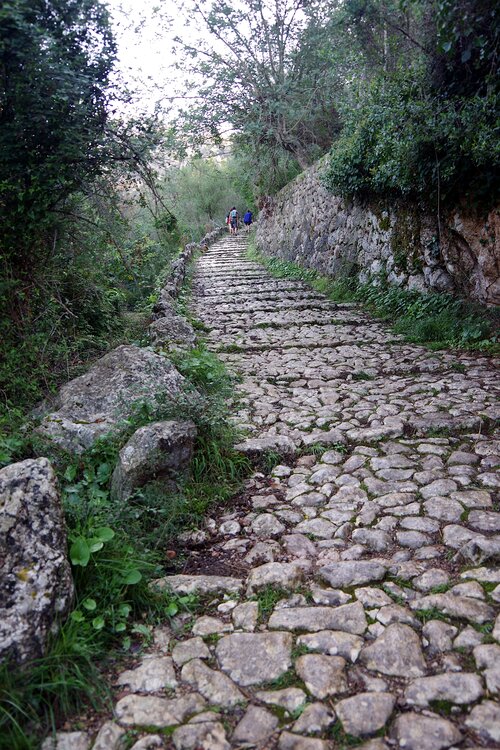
(423, 124)
(398, 140)
(33, 699)
(202, 191)
(342, 739)
(274, 81)
(268, 597)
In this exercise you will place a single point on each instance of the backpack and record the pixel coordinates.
(234, 214)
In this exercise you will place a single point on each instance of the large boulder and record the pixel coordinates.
(36, 587)
(157, 450)
(96, 403)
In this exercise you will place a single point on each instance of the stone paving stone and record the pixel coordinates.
(109, 737)
(194, 648)
(365, 713)
(216, 687)
(67, 741)
(348, 617)
(346, 574)
(396, 652)
(149, 710)
(153, 674)
(255, 727)
(418, 732)
(454, 688)
(289, 741)
(315, 718)
(254, 658)
(322, 675)
(209, 735)
(291, 699)
(334, 643)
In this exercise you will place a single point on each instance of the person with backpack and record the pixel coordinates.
(247, 219)
(234, 220)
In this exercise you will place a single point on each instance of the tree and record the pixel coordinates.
(265, 73)
(422, 120)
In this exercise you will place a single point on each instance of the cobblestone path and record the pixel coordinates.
(352, 594)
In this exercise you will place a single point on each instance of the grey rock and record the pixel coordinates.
(151, 710)
(291, 699)
(333, 643)
(456, 606)
(262, 552)
(154, 673)
(245, 616)
(470, 588)
(96, 403)
(157, 450)
(322, 675)
(216, 687)
(290, 741)
(254, 658)
(193, 648)
(444, 509)
(486, 575)
(255, 727)
(67, 741)
(455, 688)
(280, 444)
(374, 539)
(468, 638)
(485, 720)
(396, 613)
(348, 617)
(314, 719)
(207, 735)
(372, 597)
(299, 545)
(332, 597)
(285, 575)
(207, 625)
(484, 520)
(266, 525)
(396, 652)
(185, 584)
(172, 332)
(417, 732)
(412, 539)
(365, 713)
(317, 527)
(36, 587)
(439, 488)
(149, 742)
(430, 579)
(345, 574)
(230, 528)
(473, 498)
(109, 737)
(439, 635)
(487, 656)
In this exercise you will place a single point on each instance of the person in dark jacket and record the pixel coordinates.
(247, 219)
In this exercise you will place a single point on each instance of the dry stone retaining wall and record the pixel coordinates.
(306, 224)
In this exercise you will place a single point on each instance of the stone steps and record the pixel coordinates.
(365, 608)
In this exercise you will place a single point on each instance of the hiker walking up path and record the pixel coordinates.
(352, 593)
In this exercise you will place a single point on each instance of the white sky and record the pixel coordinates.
(144, 32)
